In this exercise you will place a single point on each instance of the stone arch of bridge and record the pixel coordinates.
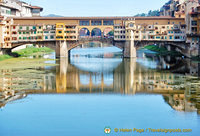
(51, 45)
(90, 28)
(108, 31)
(170, 45)
(96, 32)
(84, 32)
(86, 42)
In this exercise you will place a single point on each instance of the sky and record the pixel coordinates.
(97, 7)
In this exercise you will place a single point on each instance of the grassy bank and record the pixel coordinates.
(33, 51)
(162, 51)
(4, 57)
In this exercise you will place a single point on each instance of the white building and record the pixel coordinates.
(16, 8)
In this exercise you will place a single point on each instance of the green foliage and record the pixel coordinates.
(32, 50)
(111, 33)
(4, 57)
(149, 14)
(155, 48)
(162, 51)
(152, 13)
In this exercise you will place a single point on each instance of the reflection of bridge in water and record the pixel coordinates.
(114, 76)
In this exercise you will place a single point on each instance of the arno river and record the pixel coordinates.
(97, 89)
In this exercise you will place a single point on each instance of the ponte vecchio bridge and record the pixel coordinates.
(66, 33)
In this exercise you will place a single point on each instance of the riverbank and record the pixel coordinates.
(31, 51)
(4, 57)
(162, 51)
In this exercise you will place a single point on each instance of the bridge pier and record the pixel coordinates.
(5, 51)
(129, 50)
(61, 49)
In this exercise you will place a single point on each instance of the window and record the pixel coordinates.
(108, 22)
(20, 27)
(177, 37)
(27, 28)
(84, 23)
(52, 37)
(34, 27)
(193, 39)
(158, 37)
(194, 23)
(46, 37)
(96, 22)
(59, 37)
(194, 29)
(170, 37)
(131, 25)
(59, 32)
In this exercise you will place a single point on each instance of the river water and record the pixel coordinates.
(96, 89)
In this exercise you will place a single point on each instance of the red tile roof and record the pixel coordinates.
(36, 7)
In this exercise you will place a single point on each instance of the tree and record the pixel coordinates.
(111, 33)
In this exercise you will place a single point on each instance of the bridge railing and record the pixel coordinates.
(95, 38)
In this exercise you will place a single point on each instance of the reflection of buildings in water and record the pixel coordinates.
(20, 79)
(179, 103)
(8, 96)
(174, 64)
(126, 77)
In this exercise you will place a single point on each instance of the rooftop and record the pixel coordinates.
(106, 18)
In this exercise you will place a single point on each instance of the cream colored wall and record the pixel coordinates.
(50, 22)
(160, 22)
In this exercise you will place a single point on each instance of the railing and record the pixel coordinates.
(95, 38)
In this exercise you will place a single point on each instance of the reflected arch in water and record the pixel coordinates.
(108, 79)
(96, 32)
(96, 79)
(85, 79)
(84, 32)
(96, 64)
